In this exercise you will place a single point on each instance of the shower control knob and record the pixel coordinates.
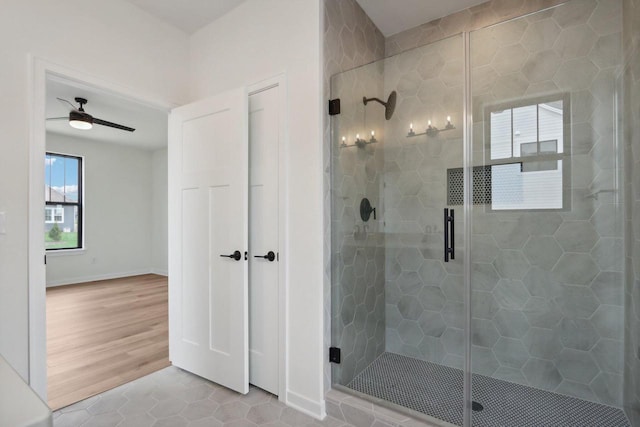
(270, 256)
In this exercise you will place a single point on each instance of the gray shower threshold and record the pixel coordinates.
(437, 391)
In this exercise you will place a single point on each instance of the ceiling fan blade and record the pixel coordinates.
(67, 104)
(58, 118)
(110, 124)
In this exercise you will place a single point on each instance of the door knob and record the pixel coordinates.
(236, 255)
(271, 256)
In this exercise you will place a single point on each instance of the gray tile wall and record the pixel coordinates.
(350, 40)
(547, 287)
(631, 48)
(424, 310)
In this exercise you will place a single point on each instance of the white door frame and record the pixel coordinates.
(39, 70)
(283, 226)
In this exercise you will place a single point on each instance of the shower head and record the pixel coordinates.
(389, 106)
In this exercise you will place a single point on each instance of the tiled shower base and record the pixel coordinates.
(436, 391)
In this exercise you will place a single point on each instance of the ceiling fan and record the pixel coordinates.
(80, 119)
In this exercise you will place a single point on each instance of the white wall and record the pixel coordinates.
(122, 205)
(257, 40)
(113, 41)
(159, 212)
(118, 43)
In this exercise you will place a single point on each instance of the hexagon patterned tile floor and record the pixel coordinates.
(175, 398)
(436, 390)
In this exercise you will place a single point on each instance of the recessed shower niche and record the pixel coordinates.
(526, 318)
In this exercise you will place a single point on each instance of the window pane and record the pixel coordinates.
(529, 149)
(531, 185)
(62, 234)
(551, 123)
(501, 134)
(71, 179)
(61, 178)
(548, 147)
(55, 180)
(47, 177)
(525, 127)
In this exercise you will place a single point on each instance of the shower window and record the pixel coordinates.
(527, 148)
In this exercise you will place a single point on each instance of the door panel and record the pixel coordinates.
(222, 270)
(263, 227)
(195, 270)
(208, 198)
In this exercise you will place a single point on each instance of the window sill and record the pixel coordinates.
(64, 252)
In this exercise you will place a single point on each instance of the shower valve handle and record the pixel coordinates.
(366, 210)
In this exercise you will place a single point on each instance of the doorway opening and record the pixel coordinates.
(105, 237)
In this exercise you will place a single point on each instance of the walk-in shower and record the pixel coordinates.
(494, 263)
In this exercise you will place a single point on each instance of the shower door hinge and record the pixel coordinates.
(334, 355)
(334, 107)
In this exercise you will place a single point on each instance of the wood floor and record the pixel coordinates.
(103, 334)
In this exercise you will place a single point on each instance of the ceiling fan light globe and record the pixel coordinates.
(80, 120)
(80, 124)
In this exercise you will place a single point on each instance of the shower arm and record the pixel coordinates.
(389, 106)
(365, 100)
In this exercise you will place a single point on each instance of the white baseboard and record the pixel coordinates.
(159, 272)
(310, 407)
(83, 279)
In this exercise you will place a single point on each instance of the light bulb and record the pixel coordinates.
(448, 119)
(80, 124)
(357, 136)
(373, 133)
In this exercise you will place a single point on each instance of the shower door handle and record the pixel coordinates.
(449, 235)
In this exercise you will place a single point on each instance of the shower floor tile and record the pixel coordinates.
(436, 390)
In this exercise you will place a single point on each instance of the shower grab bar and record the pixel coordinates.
(449, 235)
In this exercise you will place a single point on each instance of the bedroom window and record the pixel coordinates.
(63, 202)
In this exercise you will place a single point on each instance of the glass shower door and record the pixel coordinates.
(358, 260)
(397, 231)
(546, 247)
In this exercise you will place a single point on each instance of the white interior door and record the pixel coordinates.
(263, 239)
(208, 199)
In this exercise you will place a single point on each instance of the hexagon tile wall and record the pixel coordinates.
(547, 289)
